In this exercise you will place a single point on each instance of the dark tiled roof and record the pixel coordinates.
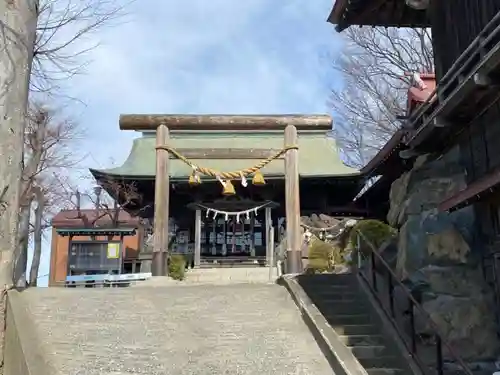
(70, 218)
(376, 13)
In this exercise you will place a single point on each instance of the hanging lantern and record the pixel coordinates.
(228, 188)
(258, 178)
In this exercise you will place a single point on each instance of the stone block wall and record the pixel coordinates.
(439, 255)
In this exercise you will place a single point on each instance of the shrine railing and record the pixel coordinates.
(105, 281)
(478, 59)
(404, 311)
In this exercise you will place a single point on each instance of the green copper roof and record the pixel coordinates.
(318, 154)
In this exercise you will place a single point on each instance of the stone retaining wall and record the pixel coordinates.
(438, 255)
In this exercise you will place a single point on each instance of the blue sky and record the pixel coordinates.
(203, 56)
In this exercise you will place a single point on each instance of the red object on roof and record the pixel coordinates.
(424, 86)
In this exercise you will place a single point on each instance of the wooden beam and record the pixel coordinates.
(483, 80)
(292, 194)
(460, 93)
(338, 211)
(197, 239)
(441, 122)
(473, 192)
(162, 192)
(227, 153)
(225, 122)
(408, 154)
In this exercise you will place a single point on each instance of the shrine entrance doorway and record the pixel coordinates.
(230, 238)
(230, 235)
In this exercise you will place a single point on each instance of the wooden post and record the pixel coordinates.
(162, 192)
(214, 236)
(224, 242)
(233, 243)
(271, 255)
(292, 194)
(197, 239)
(268, 222)
(252, 235)
(206, 240)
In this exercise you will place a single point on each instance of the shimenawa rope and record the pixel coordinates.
(226, 175)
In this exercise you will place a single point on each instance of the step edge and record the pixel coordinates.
(367, 346)
(389, 329)
(339, 356)
(377, 335)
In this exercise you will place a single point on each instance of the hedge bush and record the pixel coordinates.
(377, 232)
(177, 267)
(319, 256)
(323, 256)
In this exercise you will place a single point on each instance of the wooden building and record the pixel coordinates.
(233, 227)
(464, 109)
(457, 127)
(87, 242)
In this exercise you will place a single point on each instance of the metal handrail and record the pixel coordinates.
(452, 74)
(412, 347)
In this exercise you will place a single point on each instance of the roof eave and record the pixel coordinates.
(96, 231)
(366, 15)
(102, 174)
(376, 163)
(336, 14)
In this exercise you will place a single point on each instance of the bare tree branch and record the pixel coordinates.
(103, 209)
(49, 150)
(372, 65)
(64, 38)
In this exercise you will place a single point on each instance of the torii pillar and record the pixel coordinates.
(165, 123)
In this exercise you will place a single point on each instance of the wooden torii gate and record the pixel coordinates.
(163, 123)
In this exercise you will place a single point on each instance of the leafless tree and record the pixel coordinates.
(64, 38)
(109, 199)
(372, 65)
(17, 35)
(102, 204)
(53, 49)
(37, 41)
(50, 153)
(37, 234)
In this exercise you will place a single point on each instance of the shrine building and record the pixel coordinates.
(231, 212)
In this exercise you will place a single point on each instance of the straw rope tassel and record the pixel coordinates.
(228, 188)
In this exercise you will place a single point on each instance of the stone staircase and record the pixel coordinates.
(220, 321)
(189, 329)
(351, 315)
(232, 275)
